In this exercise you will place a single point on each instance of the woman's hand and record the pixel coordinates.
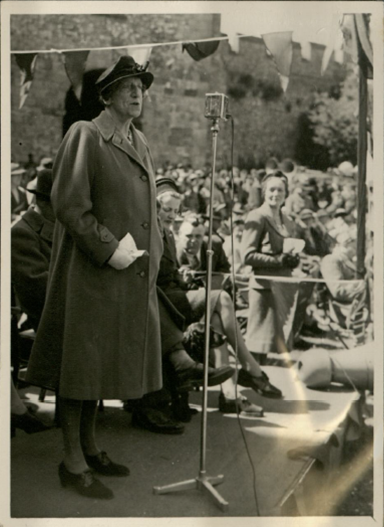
(187, 274)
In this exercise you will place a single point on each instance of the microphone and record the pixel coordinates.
(216, 106)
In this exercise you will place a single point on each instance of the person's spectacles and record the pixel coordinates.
(133, 87)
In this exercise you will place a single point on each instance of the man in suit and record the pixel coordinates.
(192, 249)
(31, 244)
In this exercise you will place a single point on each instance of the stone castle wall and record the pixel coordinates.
(265, 119)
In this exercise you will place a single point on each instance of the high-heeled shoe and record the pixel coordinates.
(105, 466)
(260, 385)
(29, 422)
(84, 483)
(240, 405)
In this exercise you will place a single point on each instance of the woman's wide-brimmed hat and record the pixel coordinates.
(123, 68)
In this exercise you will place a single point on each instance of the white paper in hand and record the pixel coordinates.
(293, 245)
(128, 245)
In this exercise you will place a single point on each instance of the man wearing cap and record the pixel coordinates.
(99, 335)
(19, 202)
(31, 245)
(45, 163)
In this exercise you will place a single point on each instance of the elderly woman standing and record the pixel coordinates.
(99, 336)
(265, 230)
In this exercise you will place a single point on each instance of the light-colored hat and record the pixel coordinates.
(16, 169)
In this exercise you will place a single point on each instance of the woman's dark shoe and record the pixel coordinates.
(260, 385)
(84, 483)
(156, 421)
(240, 405)
(195, 376)
(29, 422)
(103, 465)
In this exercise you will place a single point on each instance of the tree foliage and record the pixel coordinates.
(334, 122)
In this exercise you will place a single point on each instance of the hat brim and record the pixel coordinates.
(37, 193)
(146, 77)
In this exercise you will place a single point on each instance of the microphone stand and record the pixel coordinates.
(203, 481)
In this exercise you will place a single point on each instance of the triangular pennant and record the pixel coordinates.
(141, 55)
(349, 37)
(361, 24)
(326, 58)
(74, 62)
(27, 64)
(333, 36)
(234, 42)
(280, 46)
(306, 50)
(201, 50)
(339, 56)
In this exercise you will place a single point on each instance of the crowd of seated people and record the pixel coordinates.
(323, 210)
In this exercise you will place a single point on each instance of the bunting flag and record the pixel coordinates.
(334, 41)
(306, 50)
(339, 56)
(280, 46)
(74, 63)
(140, 54)
(349, 37)
(26, 63)
(364, 43)
(200, 50)
(234, 42)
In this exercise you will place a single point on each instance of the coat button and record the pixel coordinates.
(143, 178)
(142, 274)
(145, 225)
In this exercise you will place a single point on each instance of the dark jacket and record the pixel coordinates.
(220, 262)
(261, 246)
(31, 246)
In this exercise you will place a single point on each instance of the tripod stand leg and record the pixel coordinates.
(215, 480)
(207, 486)
(182, 485)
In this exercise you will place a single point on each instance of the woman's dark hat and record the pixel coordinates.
(43, 184)
(125, 67)
(166, 184)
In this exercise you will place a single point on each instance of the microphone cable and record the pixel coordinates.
(232, 187)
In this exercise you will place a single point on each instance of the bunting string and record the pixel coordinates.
(109, 48)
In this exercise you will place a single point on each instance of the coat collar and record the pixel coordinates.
(108, 131)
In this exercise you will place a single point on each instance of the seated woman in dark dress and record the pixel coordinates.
(191, 303)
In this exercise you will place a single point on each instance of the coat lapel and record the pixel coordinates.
(108, 131)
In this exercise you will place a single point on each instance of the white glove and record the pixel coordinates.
(125, 254)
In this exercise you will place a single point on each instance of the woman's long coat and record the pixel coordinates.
(99, 336)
